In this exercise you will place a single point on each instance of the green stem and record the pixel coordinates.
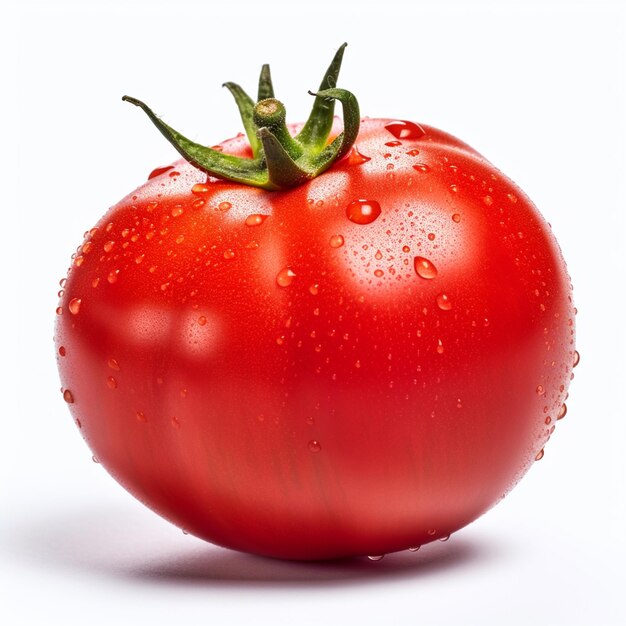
(279, 160)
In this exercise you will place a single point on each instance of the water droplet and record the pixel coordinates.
(314, 289)
(198, 203)
(224, 206)
(68, 397)
(175, 422)
(456, 218)
(421, 167)
(159, 170)
(113, 364)
(177, 210)
(95, 459)
(255, 219)
(336, 241)
(444, 538)
(439, 347)
(363, 211)
(540, 390)
(356, 158)
(539, 455)
(111, 383)
(139, 258)
(562, 412)
(431, 532)
(376, 557)
(74, 306)
(548, 421)
(414, 548)
(314, 445)
(379, 273)
(424, 268)
(202, 320)
(113, 276)
(229, 254)
(576, 358)
(310, 420)
(141, 416)
(443, 302)
(200, 188)
(379, 255)
(488, 200)
(405, 130)
(108, 246)
(512, 198)
(62, 351)
(285, 277)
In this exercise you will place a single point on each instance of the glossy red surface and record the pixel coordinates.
(302, 375)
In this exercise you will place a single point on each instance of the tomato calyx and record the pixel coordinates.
(279, 160)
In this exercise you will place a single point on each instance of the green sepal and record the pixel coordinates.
(245, 105)
(315, 130)
(279, 160)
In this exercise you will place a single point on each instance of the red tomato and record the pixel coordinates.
(361, 364)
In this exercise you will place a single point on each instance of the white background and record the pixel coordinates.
(537, 87)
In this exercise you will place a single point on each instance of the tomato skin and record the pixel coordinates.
(270, 390)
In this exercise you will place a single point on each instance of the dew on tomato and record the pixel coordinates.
(424, 268)
(74, 306)
(256, 219)
(285, 277)
(363, 211)
(443, 302)
(336, 241)
(405, 130)
(314, 446)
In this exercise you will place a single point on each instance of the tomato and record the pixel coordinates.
(359, 364)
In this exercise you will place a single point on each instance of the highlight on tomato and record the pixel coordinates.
(318, 340)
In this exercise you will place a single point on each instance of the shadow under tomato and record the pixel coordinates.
(130, 544)
(208, 566)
